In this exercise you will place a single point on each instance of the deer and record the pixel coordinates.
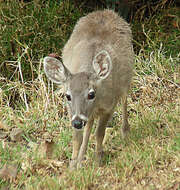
(96, 72)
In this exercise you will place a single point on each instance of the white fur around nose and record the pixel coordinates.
(81, 116)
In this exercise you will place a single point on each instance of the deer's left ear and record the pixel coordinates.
(102, 64)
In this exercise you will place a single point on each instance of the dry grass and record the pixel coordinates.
(37, 157)
(148, 159)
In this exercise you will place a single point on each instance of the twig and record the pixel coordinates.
(22, 80)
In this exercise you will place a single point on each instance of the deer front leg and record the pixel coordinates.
(100, 132)
(77, 141)
(125, 124)
(84, 144)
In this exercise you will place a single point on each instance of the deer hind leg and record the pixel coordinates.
(100, 133)
(125, 124)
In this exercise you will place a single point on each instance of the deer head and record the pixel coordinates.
(80, 88)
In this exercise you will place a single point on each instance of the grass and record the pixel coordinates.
(148, 159)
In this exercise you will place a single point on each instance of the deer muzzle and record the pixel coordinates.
(78, 123)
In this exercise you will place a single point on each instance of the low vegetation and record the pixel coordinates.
(35, 135)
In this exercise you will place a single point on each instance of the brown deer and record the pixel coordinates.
(96, 73)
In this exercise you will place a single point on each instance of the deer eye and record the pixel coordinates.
(68, 97)
(91, 95)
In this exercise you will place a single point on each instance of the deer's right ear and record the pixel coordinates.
(55, 70)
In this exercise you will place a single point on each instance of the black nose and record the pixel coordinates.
(78, 123)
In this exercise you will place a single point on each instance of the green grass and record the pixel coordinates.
(30, 30)
(148, 159)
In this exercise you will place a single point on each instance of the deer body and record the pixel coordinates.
(96, 72)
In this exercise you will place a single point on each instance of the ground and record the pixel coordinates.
(35, 135)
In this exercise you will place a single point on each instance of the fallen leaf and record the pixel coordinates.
(4, 127)
(8, 172)
(16, 134)
(46, 149)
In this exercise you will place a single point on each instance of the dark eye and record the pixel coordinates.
(91, 95)
(68, 97)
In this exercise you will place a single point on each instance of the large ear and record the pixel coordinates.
(55, 70)
(102, 64)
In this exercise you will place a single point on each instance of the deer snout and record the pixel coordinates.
(78, 123)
